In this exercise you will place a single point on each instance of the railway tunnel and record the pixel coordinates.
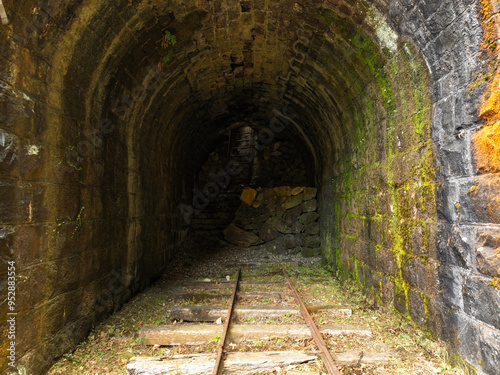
(110, 111)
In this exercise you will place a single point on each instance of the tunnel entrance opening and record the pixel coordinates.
(112, 112)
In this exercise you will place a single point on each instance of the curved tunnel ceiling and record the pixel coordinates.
(322, 64)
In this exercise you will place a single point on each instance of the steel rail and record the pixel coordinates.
(225, 331)
(324, 353)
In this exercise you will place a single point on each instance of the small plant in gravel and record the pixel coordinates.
(216, 338)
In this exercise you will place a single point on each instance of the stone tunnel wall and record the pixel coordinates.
(436, 259)
(382, 205)
(105, 123)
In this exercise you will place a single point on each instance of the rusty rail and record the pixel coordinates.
(325, 354)
(222, 341)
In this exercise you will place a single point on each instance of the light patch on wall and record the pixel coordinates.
(387, 36)
(3, 14)
(33, 150)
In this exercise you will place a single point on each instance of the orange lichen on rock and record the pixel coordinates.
(490, 109)
(486, 146)
(490, 25)
(486, 142)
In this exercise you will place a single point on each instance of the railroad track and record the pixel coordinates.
(254, 310)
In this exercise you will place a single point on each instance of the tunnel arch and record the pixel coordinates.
(374, 91)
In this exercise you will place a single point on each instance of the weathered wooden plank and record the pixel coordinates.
(180, 334)
(201, 334)
(288, 262)
(225, 284)
(374, 359)
(234, 363)
(244, 363)
(193, 296)
(204, 313)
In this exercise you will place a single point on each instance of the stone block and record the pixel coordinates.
(308, 217)
(290, 216)
(454, 245)
(400, 300)
(13, 208)
(482, 300)
(248, 195)
(277, 246)
(7, 239)
(488, 252)
(297, 190)
(53, 317)
(266, 196)
(422, 276)
(32, 238)
(416, 306)
(454, 158)
(451, 281)
(489, 346)
(385, 261)
(292, 201)
(267, 233)
(9, 155)
(417, 241)
(290, 241)
(403, 167)
(312, 241)
(35, 161)
(239, 237)
(310, 193)
(310, 206)
(376, 230)
(284, 191)
(27, 334)
(300, 239)
(278, 225)
(312, 228)
(13, 107)
(448, 195)
(485, 199)
(243, 215)
(485, 148)
(387, 290)
(296, 228)
(466, 332)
